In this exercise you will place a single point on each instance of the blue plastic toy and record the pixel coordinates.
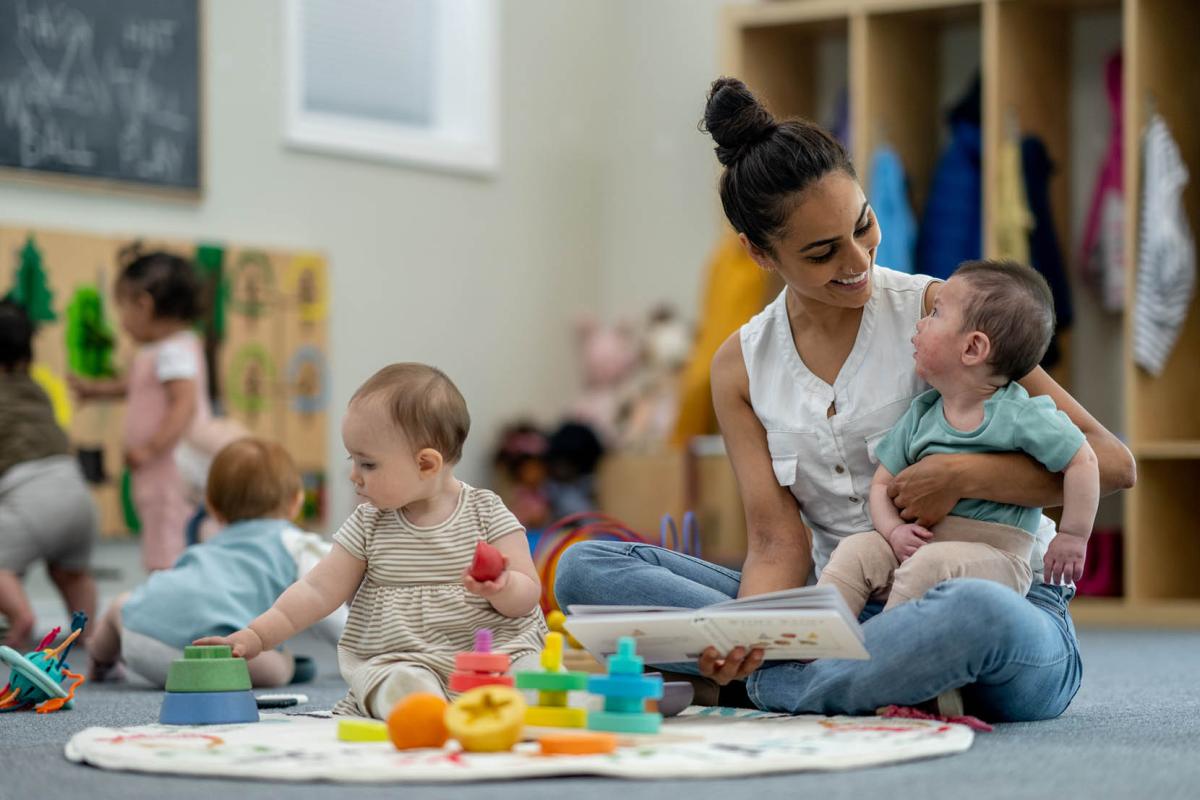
(208, 708)
(625, 689)
(39, 678)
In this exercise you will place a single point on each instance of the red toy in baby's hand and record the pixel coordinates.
(488, 563)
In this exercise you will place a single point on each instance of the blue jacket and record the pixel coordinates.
(952, 226)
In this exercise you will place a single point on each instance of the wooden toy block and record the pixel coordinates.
(362, 730)
(577, 744)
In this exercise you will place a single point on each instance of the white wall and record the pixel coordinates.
(661, 212)
(478, 277)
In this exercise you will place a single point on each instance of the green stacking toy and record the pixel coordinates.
(208, 686)
(208, 669)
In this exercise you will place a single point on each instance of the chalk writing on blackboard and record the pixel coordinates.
(107, 90)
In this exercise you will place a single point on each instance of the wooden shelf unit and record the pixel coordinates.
(1025, 51)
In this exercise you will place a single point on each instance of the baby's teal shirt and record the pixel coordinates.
(1012, 421)
(215, 588)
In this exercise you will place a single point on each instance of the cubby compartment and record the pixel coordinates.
(796, 58)
(914, 65)
(1161, 72)
(1164, 553)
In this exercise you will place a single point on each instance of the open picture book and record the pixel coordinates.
(809, 622)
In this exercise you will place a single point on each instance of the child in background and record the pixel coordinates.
(403, 554)
(990, 326)
(158, 296)
(46, 510)
(218, 587)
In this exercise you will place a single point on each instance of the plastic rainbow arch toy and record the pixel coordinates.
(594, 526)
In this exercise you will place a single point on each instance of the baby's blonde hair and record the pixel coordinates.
(424, 404)
(252, 478)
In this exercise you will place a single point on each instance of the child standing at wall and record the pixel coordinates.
(217, 587)
(990, 326)
(158, 297)
(46, 511)
(403, 554)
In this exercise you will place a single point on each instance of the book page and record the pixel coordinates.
(786, 635)
(662, 637)
(574, 610)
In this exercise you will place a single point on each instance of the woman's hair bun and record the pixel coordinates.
(735, 119)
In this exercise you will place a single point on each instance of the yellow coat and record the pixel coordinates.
(735, 290)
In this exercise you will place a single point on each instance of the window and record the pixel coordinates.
(411, 81)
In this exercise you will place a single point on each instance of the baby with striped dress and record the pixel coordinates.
(404, 552)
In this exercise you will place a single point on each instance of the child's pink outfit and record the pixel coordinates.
(159, 493)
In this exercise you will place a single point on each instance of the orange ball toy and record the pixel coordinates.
(418, 721)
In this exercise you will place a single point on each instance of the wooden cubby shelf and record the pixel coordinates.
(906, 61)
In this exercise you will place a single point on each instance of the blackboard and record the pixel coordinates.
(102, 89)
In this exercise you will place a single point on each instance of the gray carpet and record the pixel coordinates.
(1133, 731)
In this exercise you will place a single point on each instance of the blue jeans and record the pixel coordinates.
(1015, 658)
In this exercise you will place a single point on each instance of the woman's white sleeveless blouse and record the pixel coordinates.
(828, 462)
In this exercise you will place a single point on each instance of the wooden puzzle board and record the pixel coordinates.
(272, 362)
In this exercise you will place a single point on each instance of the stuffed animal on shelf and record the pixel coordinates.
(650, 416)
(521, 459)
(609, 356)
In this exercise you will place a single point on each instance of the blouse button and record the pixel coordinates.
(839, 469)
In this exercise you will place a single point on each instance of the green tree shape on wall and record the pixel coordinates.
(30, 288)
(90, 339)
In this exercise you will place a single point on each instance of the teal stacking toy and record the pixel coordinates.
(625, 689)
(208, 686)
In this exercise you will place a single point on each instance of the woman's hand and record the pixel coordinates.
(925, 492)
(244, 643)
(733, 667)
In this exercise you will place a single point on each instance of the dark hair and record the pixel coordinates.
(424, 404)
(1012, 304)
(766, 162)
(16, 335)
(170, 280)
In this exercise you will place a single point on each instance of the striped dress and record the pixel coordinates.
(412, 607)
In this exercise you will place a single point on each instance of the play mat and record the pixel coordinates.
(700, 743)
